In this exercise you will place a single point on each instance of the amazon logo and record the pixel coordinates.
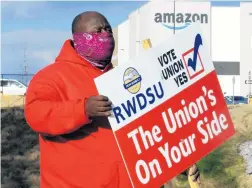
(181, 20)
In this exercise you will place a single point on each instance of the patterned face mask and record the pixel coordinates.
(97, 48)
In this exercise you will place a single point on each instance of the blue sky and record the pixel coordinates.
(42, 27)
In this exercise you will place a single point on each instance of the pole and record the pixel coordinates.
(2, 83)
(174, 22)
(249, 78)
(233, 88)
(25, 65)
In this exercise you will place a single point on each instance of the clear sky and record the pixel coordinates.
(42, 27)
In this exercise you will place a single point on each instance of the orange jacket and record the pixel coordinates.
(75, 153)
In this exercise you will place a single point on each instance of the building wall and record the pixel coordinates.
(115, 54)
(149, 29)
(227, 84)
(133, 33)
(201, 9)
(246, 45)
(222, 33)
(225, 37)
(227, 68)
(227, 33)
(156, 19)
(123, 42)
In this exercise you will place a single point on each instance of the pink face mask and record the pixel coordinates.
(97, 48)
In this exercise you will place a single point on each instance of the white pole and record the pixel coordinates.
(233, 88)
(249, 78)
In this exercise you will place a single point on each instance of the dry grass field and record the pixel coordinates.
(223, 168)
(20, 154)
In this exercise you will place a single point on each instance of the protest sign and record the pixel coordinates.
(168, 108)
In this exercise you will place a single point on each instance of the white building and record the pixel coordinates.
(227, 31)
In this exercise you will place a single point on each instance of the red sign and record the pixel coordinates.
(169, 110)
(171, 137)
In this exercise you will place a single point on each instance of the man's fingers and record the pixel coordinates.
(106, 114)
(103, 104)
(195, 176)
(105, 109)
(101, 98)
(198, 180)
(193, 170)
(98, 106)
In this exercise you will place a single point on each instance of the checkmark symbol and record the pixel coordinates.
(193, 62)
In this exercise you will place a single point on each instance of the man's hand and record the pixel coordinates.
(194, 172)
(98, 106)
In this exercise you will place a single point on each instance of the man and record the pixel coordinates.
(77, 145)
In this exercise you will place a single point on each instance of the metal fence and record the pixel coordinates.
(10, 100)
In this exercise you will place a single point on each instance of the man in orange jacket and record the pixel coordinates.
(77, 145)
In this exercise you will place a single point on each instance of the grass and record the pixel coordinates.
(223, 168)
(20, 152)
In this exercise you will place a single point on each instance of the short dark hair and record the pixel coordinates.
(75, 23)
